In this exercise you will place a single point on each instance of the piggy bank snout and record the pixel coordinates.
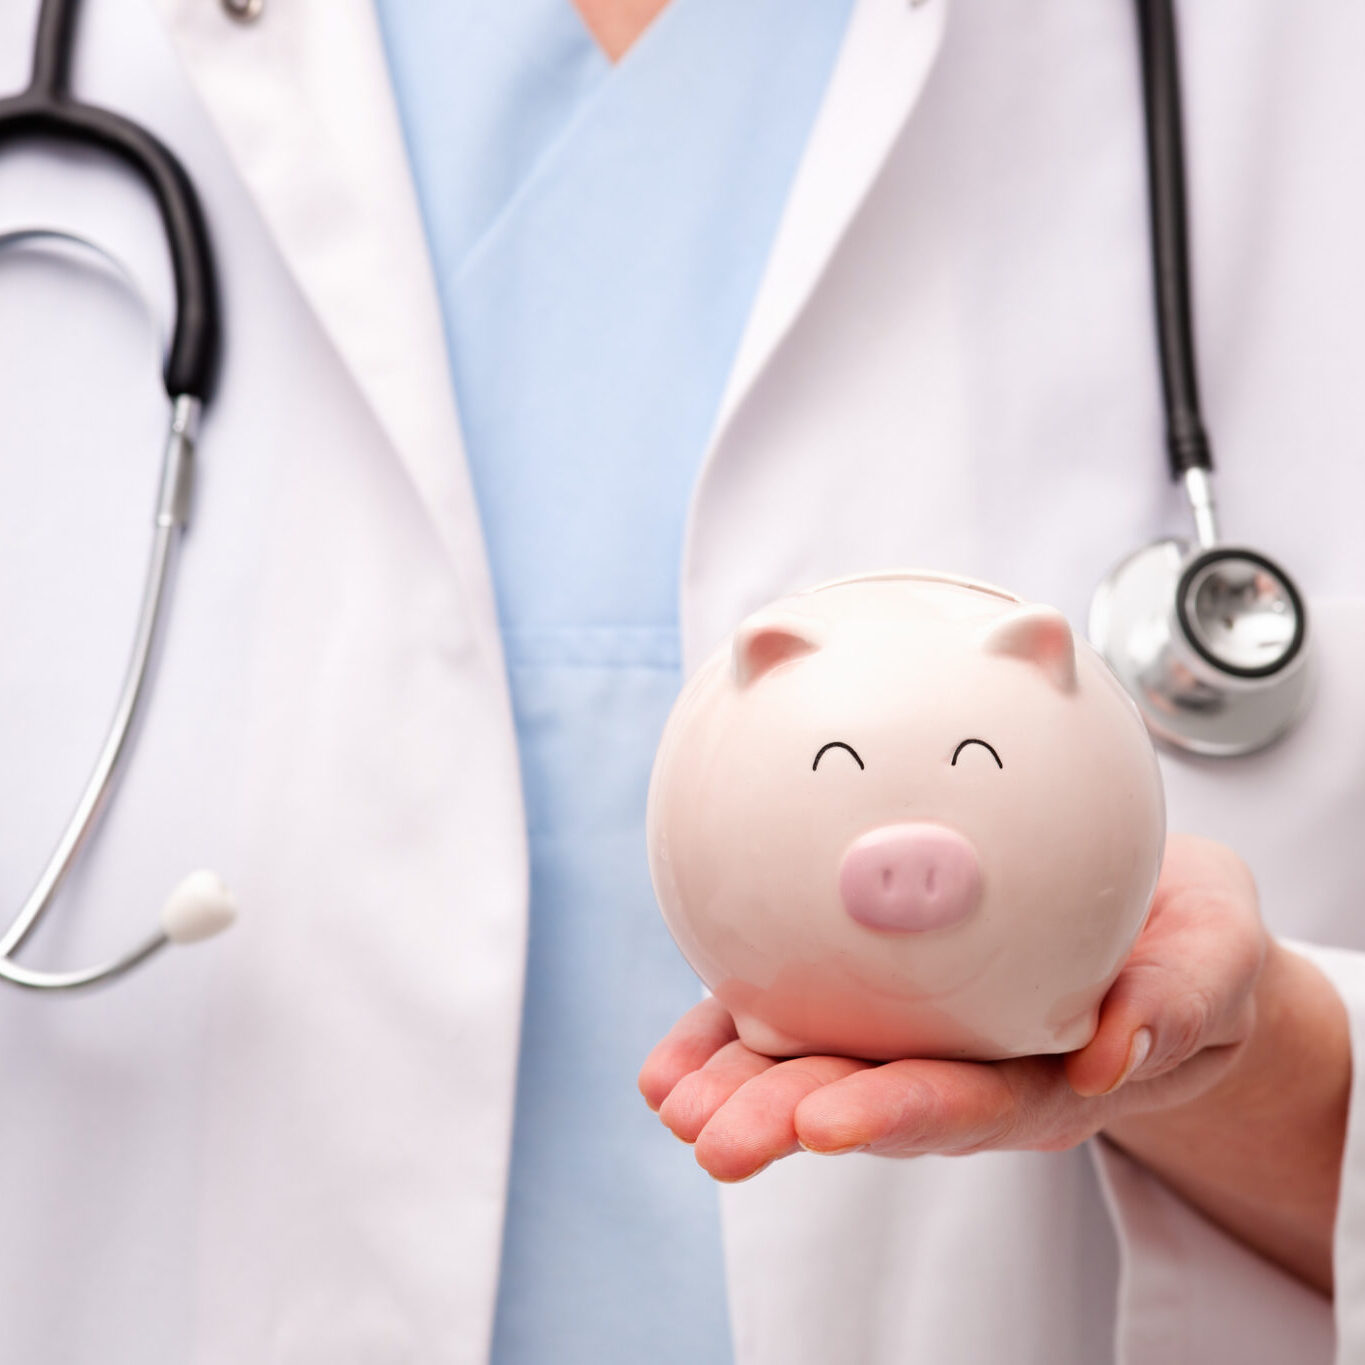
(910, 877)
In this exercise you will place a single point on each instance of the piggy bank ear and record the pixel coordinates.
(771, 638)
(1038, 635)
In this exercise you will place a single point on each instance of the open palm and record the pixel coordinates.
(1169, 1027)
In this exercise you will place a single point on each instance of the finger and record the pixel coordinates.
(1188, 983)
(688, 1045)
(698, 1095)
(908, 1107)
(756, 1125)
(1146, 1034)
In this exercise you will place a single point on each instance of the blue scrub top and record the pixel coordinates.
(598, 234)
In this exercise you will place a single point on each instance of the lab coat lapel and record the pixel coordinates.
(887, 55)
(303, 101)
(888, 52)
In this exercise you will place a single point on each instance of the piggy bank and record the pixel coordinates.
(906, 815)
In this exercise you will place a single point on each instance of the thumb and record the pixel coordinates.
(1152, 1022)
(1140, 1032)
(1188, 982)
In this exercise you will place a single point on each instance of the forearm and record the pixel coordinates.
(1260, 1153)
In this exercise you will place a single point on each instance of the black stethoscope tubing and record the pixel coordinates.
(1187, 440)
(46, 109)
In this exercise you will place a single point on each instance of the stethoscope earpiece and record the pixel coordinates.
(198, 908)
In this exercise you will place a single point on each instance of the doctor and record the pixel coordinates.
(298, 1144)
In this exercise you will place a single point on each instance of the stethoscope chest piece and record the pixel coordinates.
(1210, 643)
(1210, 640)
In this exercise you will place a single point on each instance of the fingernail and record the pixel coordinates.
(1138, 1051)
(835, 1151)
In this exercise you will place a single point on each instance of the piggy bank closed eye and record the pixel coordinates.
(906, 815)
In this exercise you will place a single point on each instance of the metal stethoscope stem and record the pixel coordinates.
(1198, 484)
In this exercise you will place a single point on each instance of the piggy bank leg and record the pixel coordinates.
(1071, 1024)
(759, 1036)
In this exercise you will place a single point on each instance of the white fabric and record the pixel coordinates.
(289, 1145)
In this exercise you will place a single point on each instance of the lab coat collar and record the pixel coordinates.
(303, 101)
(886, 57)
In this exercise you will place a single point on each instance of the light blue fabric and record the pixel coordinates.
(599, 234)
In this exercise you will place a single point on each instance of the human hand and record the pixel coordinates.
(1171, 1028)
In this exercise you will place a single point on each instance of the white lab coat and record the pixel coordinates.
(291, 1145)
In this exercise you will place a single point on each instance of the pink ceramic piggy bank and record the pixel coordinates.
(906, 815)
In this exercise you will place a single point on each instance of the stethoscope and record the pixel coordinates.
(1208, 639)
(200, 905)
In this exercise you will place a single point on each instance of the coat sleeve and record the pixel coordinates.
(1190, 1292)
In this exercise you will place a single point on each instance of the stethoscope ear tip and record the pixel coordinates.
(199, 907)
